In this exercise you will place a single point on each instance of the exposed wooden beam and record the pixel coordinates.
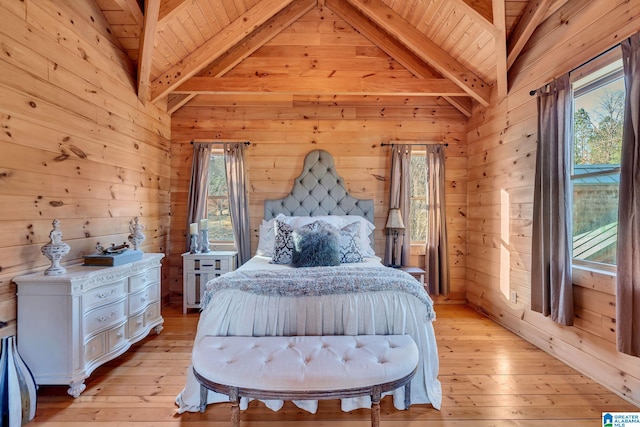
(258, 38)
(322, 85)
(131, 7)
(425, 48)
(480, 12)
(461, 103)
(214, 47)
(482, 8)
(555, 5)
(531, 17)
(170, 8)
(500, 37)
(390, 46)
(145, 52)
(174, 102)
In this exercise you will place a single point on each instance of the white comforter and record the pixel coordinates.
(234, 312)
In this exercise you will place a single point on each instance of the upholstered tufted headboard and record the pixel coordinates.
(319, 191)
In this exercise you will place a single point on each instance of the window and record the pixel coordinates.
(218, 201)
(597, 140)
(418, 213)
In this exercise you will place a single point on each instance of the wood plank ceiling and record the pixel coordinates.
(458, 50)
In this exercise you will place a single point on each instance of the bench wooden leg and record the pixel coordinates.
(407, 395)
(235, 407)
(203, 397)
(375, 406)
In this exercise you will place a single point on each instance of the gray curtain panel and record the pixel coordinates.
(436, 253)
(238, 200)
(198, 187)
(628, 274)
(551, 288)
(400, 197)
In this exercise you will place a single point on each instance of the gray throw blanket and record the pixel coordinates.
(316, 281)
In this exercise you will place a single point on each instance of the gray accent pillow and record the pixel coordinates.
(315, 247)
(283, 245)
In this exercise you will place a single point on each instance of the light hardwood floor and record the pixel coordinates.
(489, 376)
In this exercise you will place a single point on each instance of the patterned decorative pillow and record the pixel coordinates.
(350, 243)
(315, 247)
(283, 244)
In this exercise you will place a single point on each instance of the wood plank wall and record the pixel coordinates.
(282, 129)
(502, 152)
(76, 144)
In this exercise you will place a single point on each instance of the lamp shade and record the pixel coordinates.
(394, 222)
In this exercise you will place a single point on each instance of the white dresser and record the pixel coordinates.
(70, 324)
(198, 269)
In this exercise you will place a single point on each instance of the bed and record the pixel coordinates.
(268, 296)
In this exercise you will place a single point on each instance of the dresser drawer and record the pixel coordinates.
(140, 299)
(152, 313)
(116, 336)
(139, 322)
(105, 316)
(135, 325)
(139, 281)
(94, 348)
(104, 294)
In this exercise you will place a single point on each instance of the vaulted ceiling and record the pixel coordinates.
(458, 50)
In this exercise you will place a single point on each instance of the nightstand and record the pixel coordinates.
(198, 269)
(416, 272)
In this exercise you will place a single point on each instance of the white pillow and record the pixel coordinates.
(266, 238)
(300, 221)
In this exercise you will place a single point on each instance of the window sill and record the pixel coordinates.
(593, 278)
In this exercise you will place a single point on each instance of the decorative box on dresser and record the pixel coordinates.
(69, 324)
(200, 267)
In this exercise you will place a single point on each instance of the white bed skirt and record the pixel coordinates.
(233, 312)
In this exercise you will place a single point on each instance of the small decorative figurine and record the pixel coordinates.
(55, 250)
(137, 236)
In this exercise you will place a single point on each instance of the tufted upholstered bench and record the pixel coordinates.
(305, 368)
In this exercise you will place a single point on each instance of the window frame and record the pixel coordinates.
(418, 153)
(588, 69)
(217, 152)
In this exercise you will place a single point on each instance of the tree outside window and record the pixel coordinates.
(597, 141)
(418, 212)
(218, 213)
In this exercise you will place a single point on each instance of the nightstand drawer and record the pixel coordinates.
(208, 265)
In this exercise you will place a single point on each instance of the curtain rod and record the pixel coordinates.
(533, 92)
(218, 142)
(446, 144)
